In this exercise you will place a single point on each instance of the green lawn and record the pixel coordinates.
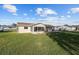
(67, 40)
(35, 44)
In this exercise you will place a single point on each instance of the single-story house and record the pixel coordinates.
(4, 28)
(69, 27)
(65, 28)
(33, 28)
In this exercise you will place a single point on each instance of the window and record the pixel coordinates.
(25, 27)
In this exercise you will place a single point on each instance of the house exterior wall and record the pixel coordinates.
(72, 29)
(22, 30)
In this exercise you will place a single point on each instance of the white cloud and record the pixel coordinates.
(39, 10)
(49, 19)
(75, 10)
(49, 11)
(68, 16)
(62, 16)
(45, 11)
(25, 14)
(53, 20)
(10, 8)
(15, 14)
(68, 12)
(31, 10)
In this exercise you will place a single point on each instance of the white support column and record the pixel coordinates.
(44, 28)
(33, 29)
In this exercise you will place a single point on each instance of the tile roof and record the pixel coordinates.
(30, 24)
(24, 24)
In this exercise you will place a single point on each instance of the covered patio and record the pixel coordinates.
(39, 29)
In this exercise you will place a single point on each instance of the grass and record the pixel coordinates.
(67, 40)
(29, 44)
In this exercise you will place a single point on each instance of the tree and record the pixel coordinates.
(13, 25)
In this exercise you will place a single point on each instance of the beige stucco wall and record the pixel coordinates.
(30, 29)
(22, 30)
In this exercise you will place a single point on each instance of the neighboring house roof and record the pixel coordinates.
(70, 25)
(75, 25)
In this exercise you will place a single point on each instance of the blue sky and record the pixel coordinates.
(55, 14)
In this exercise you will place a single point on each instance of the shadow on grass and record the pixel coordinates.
(68, 41)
